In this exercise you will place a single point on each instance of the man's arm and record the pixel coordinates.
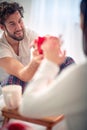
(14, 67)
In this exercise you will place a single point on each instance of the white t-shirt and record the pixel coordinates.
(67, 95)
(24, 51)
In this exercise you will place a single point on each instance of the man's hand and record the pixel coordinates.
(36, 56)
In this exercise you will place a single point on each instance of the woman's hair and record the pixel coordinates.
(83, 10)
(8, 8)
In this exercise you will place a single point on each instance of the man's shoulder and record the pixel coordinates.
(1, 37)
(30, 35)
(2, 42)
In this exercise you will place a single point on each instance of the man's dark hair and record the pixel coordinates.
(8, 8)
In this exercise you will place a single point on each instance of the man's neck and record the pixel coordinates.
(11, 41)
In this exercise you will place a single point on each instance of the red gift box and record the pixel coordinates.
(39, 42)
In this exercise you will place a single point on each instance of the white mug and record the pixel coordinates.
(12, 95)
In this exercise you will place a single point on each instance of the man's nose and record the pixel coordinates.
(18, 26)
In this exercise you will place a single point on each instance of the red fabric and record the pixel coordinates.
(39, 42)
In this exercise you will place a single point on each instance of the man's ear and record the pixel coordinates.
(2, 27)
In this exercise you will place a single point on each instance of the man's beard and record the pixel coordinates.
(13, 36)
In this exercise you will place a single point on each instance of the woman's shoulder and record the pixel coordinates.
(79, 68)
(74, 72)
(82, 66)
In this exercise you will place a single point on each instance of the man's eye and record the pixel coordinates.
(12, 24)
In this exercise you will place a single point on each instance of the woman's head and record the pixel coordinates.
(83, 12)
